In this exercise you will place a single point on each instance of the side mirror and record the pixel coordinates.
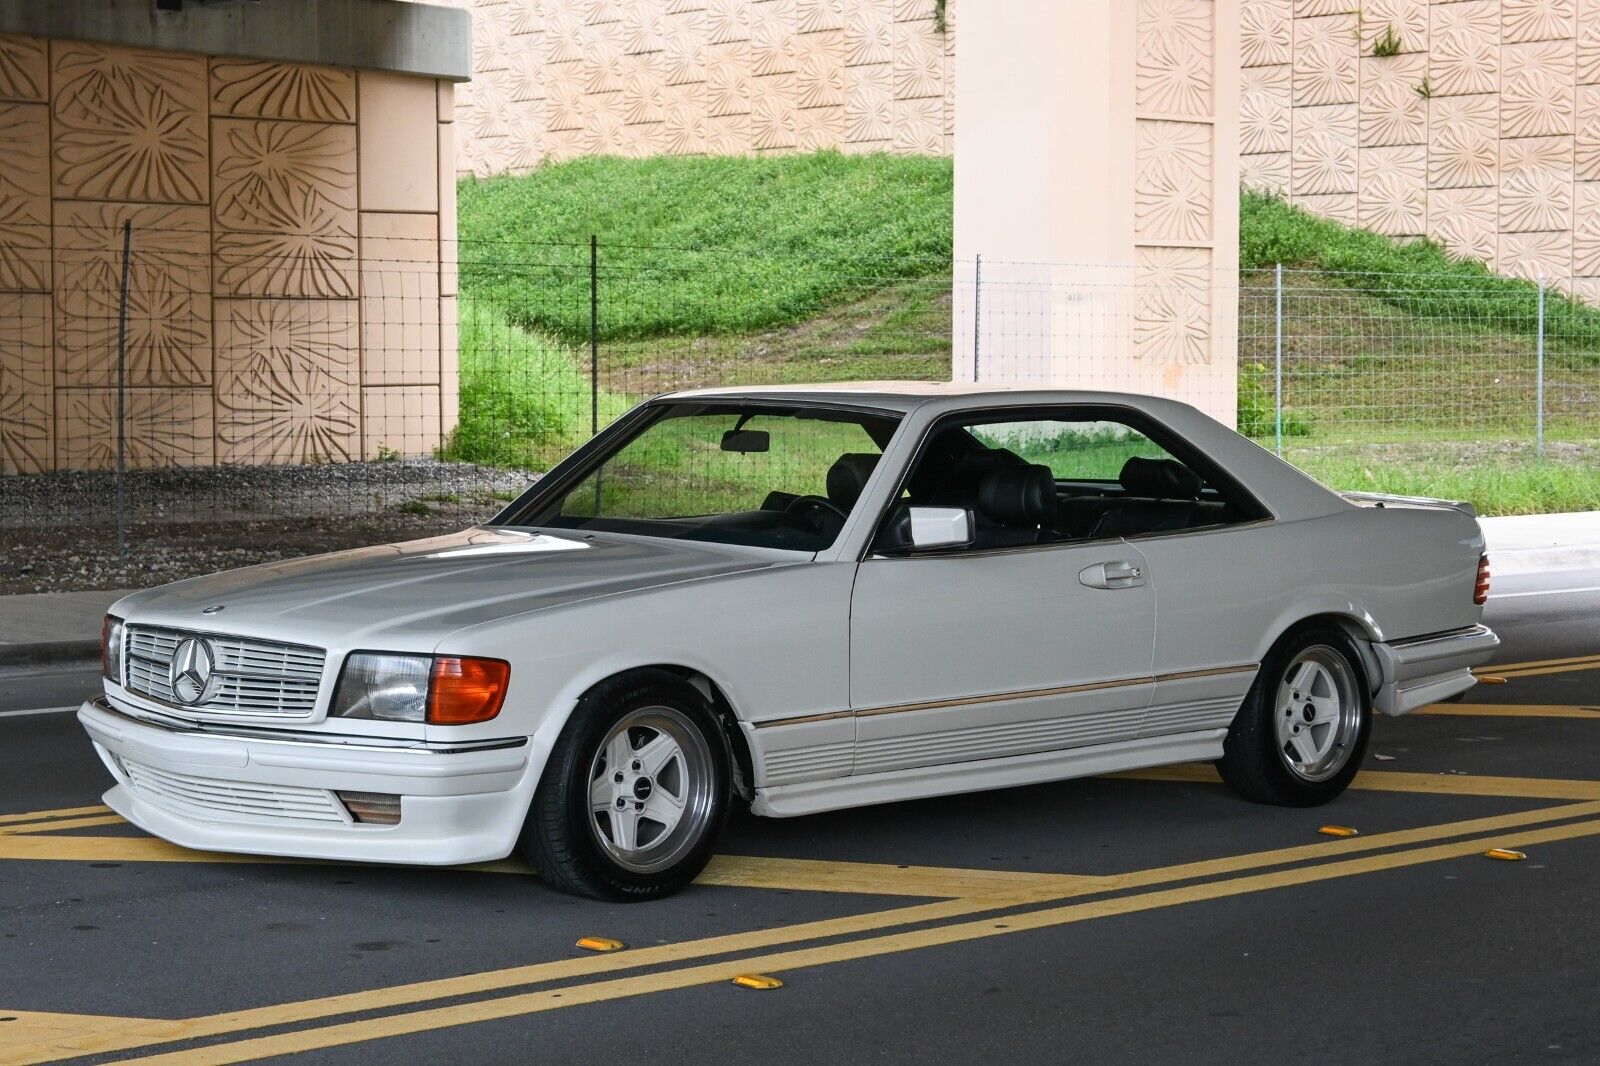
(927, 528)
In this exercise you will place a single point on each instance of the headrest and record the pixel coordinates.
(848, 476)
(1018, 495)
(1160, 479)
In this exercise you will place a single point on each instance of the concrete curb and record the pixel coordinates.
(75, 652)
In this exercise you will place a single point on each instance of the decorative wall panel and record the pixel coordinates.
(1393, 191)
(1586, 234)
(262, 284)
(1403, 21)
(1536, 255)
(1325, 70)
(1172, 181)
(1392, 111)
(1464, 48)
(1265, 102)
(1173, 72)
(1466, 221)
(1324, 150)
(857, 75)
(1535, 184)
(1264, 32)
(1463, 141)
(1536, 89)
(1172, 312)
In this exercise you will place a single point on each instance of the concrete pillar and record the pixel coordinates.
(1096, 163)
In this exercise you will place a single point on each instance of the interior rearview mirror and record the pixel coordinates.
(746, 440)
(939, 527)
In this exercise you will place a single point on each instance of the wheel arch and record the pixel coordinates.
(1354, 623)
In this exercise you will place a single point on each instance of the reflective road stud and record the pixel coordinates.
(1504, 855)
(758, 981)
(1338, 831)
(600, 943)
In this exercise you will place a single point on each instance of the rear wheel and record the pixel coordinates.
(634, 794)
(1303, 729)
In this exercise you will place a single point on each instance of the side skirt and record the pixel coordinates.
(813, 797)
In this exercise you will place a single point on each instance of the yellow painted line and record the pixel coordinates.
(29, 1030)
(816, 875)
(356, 1032)
(1509, 710)
(62, 823)
(1027, 888)
(40, 816)
(1397, 781)
(1575, 662)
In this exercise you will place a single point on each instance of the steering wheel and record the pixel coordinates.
(811, 510)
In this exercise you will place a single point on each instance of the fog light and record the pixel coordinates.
(371, 808)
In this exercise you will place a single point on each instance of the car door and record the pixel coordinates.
(993, 651)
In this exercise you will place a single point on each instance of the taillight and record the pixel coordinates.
(1480, 594)
(466, 690)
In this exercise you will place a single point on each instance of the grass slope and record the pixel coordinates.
(701, 245)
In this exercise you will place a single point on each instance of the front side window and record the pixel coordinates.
(763, 475)
(1040, 477)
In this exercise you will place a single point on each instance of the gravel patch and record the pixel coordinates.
(58, 531)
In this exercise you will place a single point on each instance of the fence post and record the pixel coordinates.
(122, 398)
(1277, 378)
(594, 334)
(1538, 424)
(977, 298)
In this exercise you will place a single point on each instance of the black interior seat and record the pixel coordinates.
(1016, 505)
(1159, 495)
(847, 477)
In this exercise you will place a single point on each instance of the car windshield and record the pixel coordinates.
(757, 474)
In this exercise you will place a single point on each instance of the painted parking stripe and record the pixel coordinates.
(357, 1032)
(32, 711)
(1541, 667)
(43, 816)
(1509, 710)
(1398, 781)
(1544, 592)
(149, 1032)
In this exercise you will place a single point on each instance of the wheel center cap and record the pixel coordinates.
(642, 788)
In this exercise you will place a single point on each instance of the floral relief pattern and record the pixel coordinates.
(1264, 106)
(869, 110)
(1465, 221)
(1535, 256)
(1392, 112)
(1172, 72)
(129, 125)
(1536, 89)
(287, 375)
(1407, 19)
(285, 208)
(24, 68)
(1535, 184)
(1325, 69)
(1172, 181)
(24, 197)
(1463, 141)
(1587, 143)
(165, 427)
(25, 383)
(1172, 311)
(1324, 150)
(1266, 173)
(1536, 20)
(1588, 46)
(869, 35)
(918, 62)
(1586, 235)
(1464, 48)
(819, 79)
(283, 90)
(1264, 35)
(1392, 196)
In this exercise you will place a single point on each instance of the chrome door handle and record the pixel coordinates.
(1121, 574)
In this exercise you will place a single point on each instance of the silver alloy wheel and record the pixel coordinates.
(1318, 713)
(651, 789)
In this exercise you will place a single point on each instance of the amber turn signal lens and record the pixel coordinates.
(466, 690)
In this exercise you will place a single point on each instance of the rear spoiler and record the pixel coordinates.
(1381, 499)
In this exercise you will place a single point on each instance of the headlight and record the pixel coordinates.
(111, 649)
(442, 690)
(392, 688)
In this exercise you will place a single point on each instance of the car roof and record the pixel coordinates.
(906, 396)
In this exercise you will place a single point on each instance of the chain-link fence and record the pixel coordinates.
(410, 387)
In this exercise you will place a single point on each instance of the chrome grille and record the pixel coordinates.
(209, 797)
(249, 677)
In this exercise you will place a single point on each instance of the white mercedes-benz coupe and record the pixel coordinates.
(804, 598)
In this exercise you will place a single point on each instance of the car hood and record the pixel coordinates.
(415, 593)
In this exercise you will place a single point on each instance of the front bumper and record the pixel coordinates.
(246, 791)
(1414, 673)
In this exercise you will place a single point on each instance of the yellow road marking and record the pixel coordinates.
(61, 823)
(620, 988)
(31, 1029)
(1397, 781)
(1509, 710)
(40, 816)
(1537, 667)
(816, 875)
(1024, 889)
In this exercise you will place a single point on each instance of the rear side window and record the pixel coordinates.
(1055, 475)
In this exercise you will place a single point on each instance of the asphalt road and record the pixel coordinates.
(1153, 918)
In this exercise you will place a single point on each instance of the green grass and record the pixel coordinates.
(1496, 487)
(694, 246)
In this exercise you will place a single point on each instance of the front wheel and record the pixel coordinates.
(634, 794)
(1299, 738)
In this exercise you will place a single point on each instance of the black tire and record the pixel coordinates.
(1260, 767)
(562, 837)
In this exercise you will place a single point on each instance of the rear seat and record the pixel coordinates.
(1160, 495)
